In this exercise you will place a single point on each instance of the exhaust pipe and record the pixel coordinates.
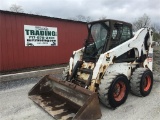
(65, 100)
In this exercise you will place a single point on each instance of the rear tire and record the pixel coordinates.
(113, 90)
(141, 82)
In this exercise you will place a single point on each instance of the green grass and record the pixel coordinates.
(156, 58)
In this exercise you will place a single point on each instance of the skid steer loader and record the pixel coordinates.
(112, 63)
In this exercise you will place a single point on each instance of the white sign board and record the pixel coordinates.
(40, 36)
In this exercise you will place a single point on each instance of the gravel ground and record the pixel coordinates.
(15, 105)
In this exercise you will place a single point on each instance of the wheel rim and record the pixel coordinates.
(119, 91)
(147, 83)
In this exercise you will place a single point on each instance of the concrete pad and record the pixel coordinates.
(38, 73)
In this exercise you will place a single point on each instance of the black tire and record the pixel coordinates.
(109, 94)
(141, 82)
(65, 73)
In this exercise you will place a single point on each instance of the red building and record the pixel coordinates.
(15, 54)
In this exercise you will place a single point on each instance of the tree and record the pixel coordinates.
(143, 21)
(156, 32)
(16, 8)
(103, 17)
(156, 36)
(155, 27)
(81, 18)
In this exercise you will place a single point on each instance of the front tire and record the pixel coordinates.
(113, 90)
(141, 82)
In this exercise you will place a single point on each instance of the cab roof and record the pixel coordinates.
(110, 20)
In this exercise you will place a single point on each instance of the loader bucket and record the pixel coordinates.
(65, 100)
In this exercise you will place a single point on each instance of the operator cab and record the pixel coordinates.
(104, 35)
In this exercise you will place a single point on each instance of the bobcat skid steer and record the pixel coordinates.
(112, 63)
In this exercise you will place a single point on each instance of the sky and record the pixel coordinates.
(126, 10)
